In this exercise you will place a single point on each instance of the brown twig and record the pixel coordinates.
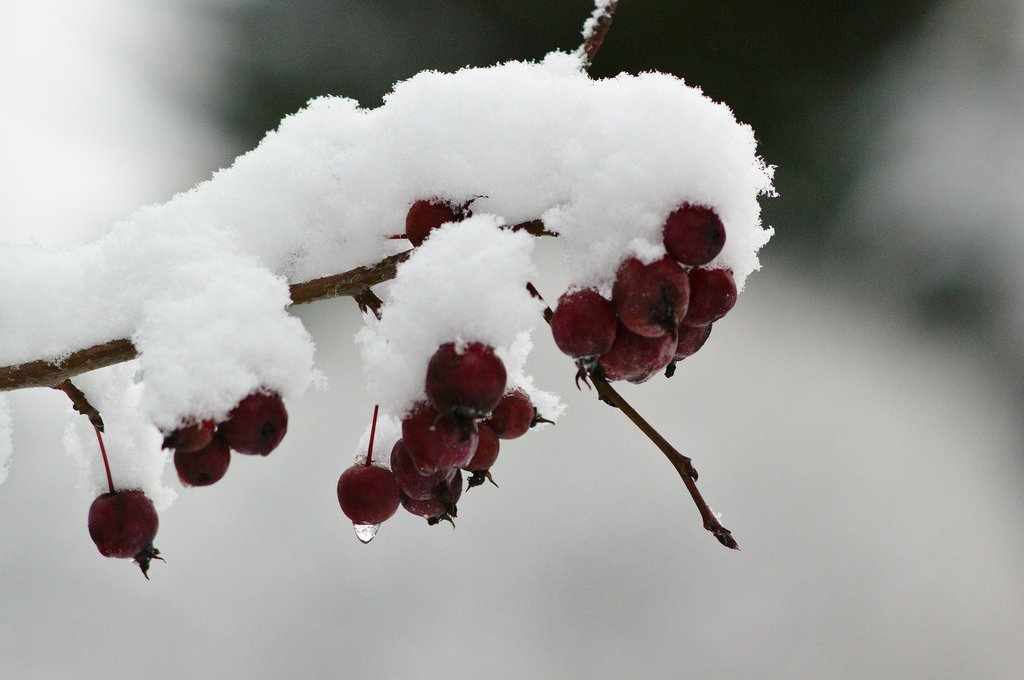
(594, 37)
(682, 464)
(80, 403)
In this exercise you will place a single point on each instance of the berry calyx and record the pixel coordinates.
(584, 324)
(469, 383)
(203, 467)
(513, 415)
(192, 437)
(368, 494)
(439, 507)
(257, 425)
(425, 215)
(123, 524)
(636, 358)
(694, 235)
(650, 299)
(437, 442)
(712, 295)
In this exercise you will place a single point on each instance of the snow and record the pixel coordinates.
(200, 282)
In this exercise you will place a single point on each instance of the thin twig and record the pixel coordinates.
(682, 464)
(80, 403)
(595, 29)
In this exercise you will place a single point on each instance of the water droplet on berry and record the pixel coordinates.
(366, 532)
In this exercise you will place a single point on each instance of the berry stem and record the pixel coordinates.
(80, 403)
(373, 432)
(106, 463)
(682, 464)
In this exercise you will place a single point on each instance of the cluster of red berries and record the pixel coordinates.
(456, 429)
(659, 313)
(124, 523)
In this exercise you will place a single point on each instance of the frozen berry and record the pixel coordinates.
(690, 339)
(469, 383)
(584, 324)
(410, 481)
(192, 437)
(650, 299)
(513, 415)
(123, 524)
(205, 466)
(486, 451)
(368, 494)
(437, 442)
(426, 215)
(694, 235)
(636, 358)
(257, 425)
(712, 295)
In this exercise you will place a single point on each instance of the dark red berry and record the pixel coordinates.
(694, 235)
(123, 524)
(712, 295)
(650, 299)
(426, 215)
(636, 358)
(469, 383)
(204, 467)
(191, 437)
(440, 506)
(584, 324)
(690, 339)
(486, 451)
(428, 508)
(368, 494)
(408, 477)
(257, 425)
(513, 415)
(437, 442)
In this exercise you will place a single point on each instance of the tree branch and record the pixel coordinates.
(596, 29)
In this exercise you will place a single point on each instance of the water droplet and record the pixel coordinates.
(366, 532)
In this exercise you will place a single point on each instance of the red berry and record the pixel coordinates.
(257, 425)
(636, 358)
(191, 437)
(712, 295)
(689, 340)
(469, 383)
(650, 299)
(368, 494)
(437, 442)
(426, 215)
(486, 451)
(584, 324)
(440, 506)
(694, 235)
(428, 508)
(123, 524)
(408, 477)
(204, 467)
(513, 415)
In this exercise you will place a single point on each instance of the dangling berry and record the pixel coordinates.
(712, 295)
(408, 477)
(468, 383)
(368, 494)
(437, 442)
(204, 467)
(192, 437)
(584, 324)
(694, 235)
(513, 415)
(426, 215)
(636, 358)
(257, 425)
(123, 524)
(650, 299)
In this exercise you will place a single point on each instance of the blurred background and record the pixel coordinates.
(856, 418)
